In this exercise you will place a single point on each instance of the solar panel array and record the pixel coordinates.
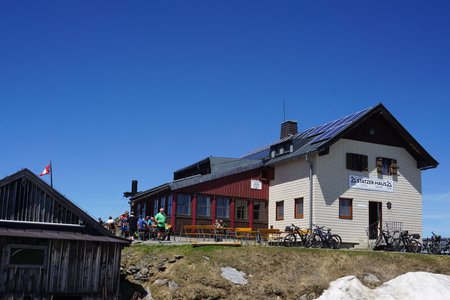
(327, 131)
(313, 135)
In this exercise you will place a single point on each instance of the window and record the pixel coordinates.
(345, 208)
(386, 166)
(241, 207)
(279, 211)
(357, 162)
(259, 211)
(138, 210)
(155, 207)
(184, 205)
(169, 205)
(203, 206)
(298, 208)
(144, 208)
(27, 255)
(162, 202)
(223, 208)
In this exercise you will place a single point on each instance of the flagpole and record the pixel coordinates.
(51, 174)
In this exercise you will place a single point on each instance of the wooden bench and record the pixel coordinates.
(191, 231)
(269, 236)
(198, 231)
(245, 233)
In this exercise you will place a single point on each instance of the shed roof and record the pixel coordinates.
(91, 229)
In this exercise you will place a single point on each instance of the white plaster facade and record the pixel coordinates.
(331, 182)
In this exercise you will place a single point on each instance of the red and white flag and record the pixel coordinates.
(47, 170)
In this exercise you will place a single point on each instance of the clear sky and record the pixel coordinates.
(112, 91)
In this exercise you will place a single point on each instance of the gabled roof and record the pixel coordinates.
(321, 137)
(89, 230)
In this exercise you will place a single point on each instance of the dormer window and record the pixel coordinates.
(281, 149)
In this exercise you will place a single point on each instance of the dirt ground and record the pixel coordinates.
(184, 272)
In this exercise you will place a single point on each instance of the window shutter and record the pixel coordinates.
(379, 164)
(349, 161)
(394, 167)
(364, 163)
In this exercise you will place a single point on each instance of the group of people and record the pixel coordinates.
(140, 228)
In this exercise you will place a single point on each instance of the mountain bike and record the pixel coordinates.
(297, 237)
(433, 245)
(321, 238)
(385, 241)
(408, 243)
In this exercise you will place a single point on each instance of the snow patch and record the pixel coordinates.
(233, 275)
(412, 285)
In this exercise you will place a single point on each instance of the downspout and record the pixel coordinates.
(310, 191)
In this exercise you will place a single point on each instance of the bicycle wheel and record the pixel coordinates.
(416, 246)
(335, 241)
(435, 248)
(398, 245)
(290, 240)
(314, 241)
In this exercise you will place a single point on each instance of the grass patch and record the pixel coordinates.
(272, 272)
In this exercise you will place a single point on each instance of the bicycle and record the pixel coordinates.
(321, 238)
(433, 245)
(291, 239)
(385, 241)
(408, 243)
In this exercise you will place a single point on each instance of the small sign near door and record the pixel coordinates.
(255, 184)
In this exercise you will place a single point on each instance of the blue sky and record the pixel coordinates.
(112, 91)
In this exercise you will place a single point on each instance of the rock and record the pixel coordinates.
(179, 256)
(161, 268)
(160, 282)
(371, 279)
(171, 261)
(233, 275)
(132, 270)
(140, 276)
(173, 285)
(144, 271)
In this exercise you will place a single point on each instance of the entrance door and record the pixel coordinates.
(375, 219)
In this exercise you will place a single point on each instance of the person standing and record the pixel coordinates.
(133, 224)
(160, 219)
(110, 224)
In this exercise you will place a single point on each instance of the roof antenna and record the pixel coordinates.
(284, 110)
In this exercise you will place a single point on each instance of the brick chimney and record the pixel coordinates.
(288, 128)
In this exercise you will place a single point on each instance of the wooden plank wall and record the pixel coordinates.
(88, 269)
(23, 201)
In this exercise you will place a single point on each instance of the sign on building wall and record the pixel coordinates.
(256, 184)
(371, 184)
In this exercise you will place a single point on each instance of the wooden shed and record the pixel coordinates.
(50, 248)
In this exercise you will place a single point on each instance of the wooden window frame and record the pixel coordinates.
(297, 215)
(261, 211)
(347, 217)
(239, 208)
(204, 206)
(185, 196)
(279, 204)
(29, 247)
(391, 166)
(221, 208)
(357, 162)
